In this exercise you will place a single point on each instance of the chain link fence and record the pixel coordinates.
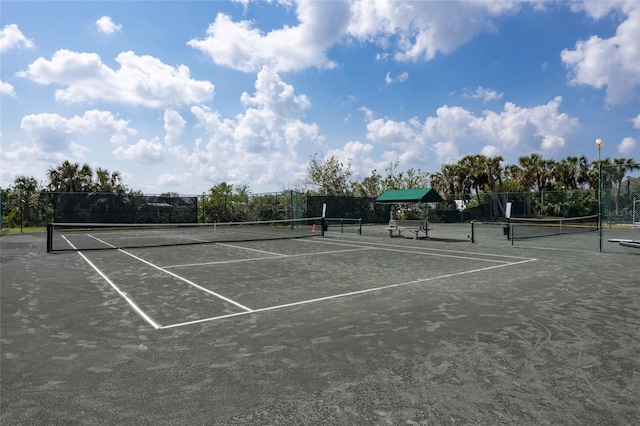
(620, 208)
(26, 210)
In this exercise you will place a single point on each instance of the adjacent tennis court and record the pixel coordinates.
(120, 326)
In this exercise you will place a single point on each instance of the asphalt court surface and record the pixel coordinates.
(184, 285)
(341, 330)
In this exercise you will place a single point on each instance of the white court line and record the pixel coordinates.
(423, 252)
(336, 296)
(250, 249)
(135, 307)
(281, 256)
(429, 249)
(199, 287)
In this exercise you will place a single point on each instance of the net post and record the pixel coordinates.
(360, 226)
(322, 226)
(49, 237)
(511, 227)
(473, 240)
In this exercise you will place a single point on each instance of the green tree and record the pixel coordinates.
(619, 168)
(371, 186)
(25, 201)
(107, 182)
(70, 177)
(329, 176)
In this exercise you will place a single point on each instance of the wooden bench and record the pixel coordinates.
(414, 226)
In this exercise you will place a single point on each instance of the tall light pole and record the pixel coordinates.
(599, 145)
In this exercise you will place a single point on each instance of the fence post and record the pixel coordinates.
(21, 200)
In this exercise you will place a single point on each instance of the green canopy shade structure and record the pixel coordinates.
(416, 195)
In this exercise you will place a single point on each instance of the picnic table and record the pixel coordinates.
(397, 227)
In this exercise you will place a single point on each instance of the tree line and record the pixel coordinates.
(473, 174)
(467, 179)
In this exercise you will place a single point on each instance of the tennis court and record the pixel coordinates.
(335, 329)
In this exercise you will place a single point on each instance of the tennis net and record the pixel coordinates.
(525, 228)
(100, 236)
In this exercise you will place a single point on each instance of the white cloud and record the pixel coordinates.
(173, 126)
(613, 62)
(490, 151)
(359, 155)
(170, 179)
(636, 122)
(390, 131)
(7, 89)
(241, 46)
(53, 133)
(143, 152)
(514, 129)
(412, 31)
(485, 95)
(446, 152)
(400, 78)
(12, 38)
(141, 80)
(261, 145)
(419, 30)
(107, 26)
(628, 146)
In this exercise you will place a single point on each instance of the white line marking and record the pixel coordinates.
(429, 249)
(425, 253)
(124, 295)
(250, 249)
(352, 293)
(253, 259)
(199, 287)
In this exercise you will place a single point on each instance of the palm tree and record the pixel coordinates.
(537, 172)
(474, 171)
(27, 187)
(526, 177)
(619, 169)
(565, 173)
(70, 177)
(108, 182)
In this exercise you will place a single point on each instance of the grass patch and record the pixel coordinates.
(24, 229)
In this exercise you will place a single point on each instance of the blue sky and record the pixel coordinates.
(180, 96)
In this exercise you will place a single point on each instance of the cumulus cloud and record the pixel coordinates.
(241, 46)
(628, 146)
(490, 151)
(142, 152)
(260, 145)
(636, 122)
(359, 155)
(173, 126)
(514, 129)
(171, 179)
(406, 31)
(485, 95)
(7, 89)
(52, 132)
(613, 62)
(446, 152)
(419, 30)
(141, 80)
(107, 26)
(12, 38)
